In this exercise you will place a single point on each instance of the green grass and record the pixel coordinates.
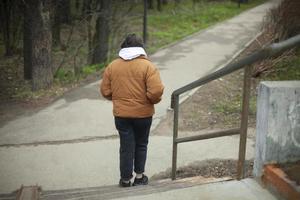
(173, 23)
(90, 69)
(68, 76)
(168, 26)
(234, 105)
(64, 76)
(176, 23)
(286, 69)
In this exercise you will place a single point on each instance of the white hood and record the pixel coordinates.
(131, 53)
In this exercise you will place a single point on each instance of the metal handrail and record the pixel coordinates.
(266, 52)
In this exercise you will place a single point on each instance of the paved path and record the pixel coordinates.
(83, 113)
(95, 163)
(247, 189)
(85, 119)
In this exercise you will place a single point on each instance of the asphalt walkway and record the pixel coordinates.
(73, 143)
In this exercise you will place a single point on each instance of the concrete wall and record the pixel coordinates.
(278, 123)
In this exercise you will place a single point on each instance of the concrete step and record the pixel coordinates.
(28, 193)
(247, 189)
(187, 189)
(114, 191)
(11, 196)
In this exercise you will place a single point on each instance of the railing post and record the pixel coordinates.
(175, 134)
(266, 52)
(244, 122)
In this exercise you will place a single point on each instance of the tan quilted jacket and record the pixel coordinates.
(134, 86)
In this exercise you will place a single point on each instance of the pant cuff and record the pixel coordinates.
(127, 178)
(139, 172)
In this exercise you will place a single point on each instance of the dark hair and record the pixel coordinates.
(132, 40)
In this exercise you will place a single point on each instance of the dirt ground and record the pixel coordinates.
(208, 168)
(213, 107)
(217, 105)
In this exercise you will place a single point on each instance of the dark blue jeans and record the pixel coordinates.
(134, 134)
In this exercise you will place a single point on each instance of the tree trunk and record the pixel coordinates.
(10, 24)
(65, 11)
(88, 16)
(56, 14)
(77, 5)
(101, 37)
(164, 2)
(5, 18)
(27, 42)
(37, 13)
(145, 17)
(177, 1)
(85, 7)
(150, 4)
(159, 5)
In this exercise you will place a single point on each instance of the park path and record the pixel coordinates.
(72, 143)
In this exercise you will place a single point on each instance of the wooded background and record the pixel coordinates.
(41, 40)
(39, 29)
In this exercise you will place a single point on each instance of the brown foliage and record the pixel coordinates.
(281, 23)
(284, 21)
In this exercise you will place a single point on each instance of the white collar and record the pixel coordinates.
(131, 53)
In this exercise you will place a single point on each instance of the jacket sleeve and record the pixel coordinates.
(154, 85)
(105, 85)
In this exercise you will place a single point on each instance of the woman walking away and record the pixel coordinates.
(133, 84)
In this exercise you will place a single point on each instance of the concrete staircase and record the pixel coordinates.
(187, 189)
(110, 191)
(115, 192)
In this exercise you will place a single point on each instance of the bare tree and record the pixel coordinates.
(150, 4)
(164, 2)
(10, 21)
(87, 10)
(77, 5)
(65, 11)
(101, 37)
(159, 5)
(122, 13)
(27, 42)
(38, 42)
(56, 24)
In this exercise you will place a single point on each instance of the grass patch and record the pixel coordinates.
(68, 76)
(90, 69)
(286, 69)
(234, 105)
(175, 23)
(25, 93)
(229, 109)
(64, 76)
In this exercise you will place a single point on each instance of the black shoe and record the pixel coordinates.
(141, 181)
(124, 184)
